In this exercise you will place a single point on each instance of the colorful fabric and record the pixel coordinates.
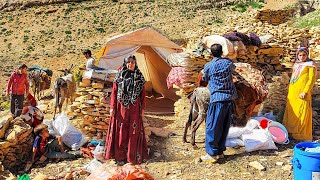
(177, 76)
(126, 138)
(129, 85)
(217, 126)
(298, 113)
(218, 73)
(32, 100)
(251, 77)
(34, 114)
(299, 66)
(41, 144)
(18, 84)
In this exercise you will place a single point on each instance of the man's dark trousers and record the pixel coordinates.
(16, 104)
(219, 118)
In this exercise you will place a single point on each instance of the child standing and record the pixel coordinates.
(298, 113)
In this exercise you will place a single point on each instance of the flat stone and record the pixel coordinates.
(257, 165)
(197, 160)
(287, 168)
(317, 132)
(285, 155)
(279, 163)
(156, 154)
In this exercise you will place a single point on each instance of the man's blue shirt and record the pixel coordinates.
(218, 74)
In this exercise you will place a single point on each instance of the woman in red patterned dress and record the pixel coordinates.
(125, 140)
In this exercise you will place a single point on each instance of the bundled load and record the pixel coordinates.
(39, 79)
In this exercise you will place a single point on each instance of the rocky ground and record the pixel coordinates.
(172, 159)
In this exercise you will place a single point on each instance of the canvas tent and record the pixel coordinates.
(151, 49)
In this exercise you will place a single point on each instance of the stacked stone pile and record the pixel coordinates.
(275, 17)
(278, 90)
(16, 141)
(91, 107)
(6, 174)
(284, 35)
(265, 58)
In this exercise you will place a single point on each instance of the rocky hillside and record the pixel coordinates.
(54, 35)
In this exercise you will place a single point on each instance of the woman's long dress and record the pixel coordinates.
(298, 113)
(126, 138)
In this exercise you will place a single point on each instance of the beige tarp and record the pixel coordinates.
(150, 48)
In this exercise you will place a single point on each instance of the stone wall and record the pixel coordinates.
(91, 108)
(16, 143)
(275, 17)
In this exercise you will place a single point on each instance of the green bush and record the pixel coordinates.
(310, 20)
(77, 74)
(243, 6)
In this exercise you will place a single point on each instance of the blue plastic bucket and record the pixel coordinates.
(306, 165)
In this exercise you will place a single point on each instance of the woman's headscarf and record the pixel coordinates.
(299, 65)
(130, 83)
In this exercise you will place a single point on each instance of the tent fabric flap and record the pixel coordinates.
(151, 49)
(116, 54)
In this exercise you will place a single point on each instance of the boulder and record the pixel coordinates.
(4, 124)
(17, 131)
(7, 175)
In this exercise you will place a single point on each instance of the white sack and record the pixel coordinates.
(70, 135)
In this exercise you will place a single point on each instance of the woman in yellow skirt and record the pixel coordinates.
(298, 113)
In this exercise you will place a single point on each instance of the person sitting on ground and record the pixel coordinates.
(42, 147)
(90, 61)
(18, 87)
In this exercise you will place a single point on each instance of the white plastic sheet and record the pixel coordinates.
(92, 166)
(98, 153)
(70, 135)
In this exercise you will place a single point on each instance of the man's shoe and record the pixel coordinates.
(211, 159)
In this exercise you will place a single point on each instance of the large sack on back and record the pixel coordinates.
(227, 46)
